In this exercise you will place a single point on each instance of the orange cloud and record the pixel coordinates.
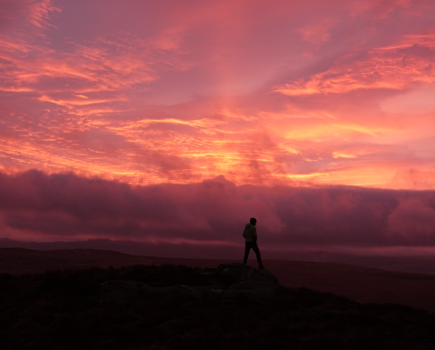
(181, 93)
(384, 68)
(317, 33)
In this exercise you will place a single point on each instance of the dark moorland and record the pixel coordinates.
(362, 284)
(179, 307)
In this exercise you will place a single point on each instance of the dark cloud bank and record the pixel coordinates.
(206, 219)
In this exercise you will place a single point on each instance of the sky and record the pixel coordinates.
(178, 120)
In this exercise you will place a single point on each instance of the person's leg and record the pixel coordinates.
(247, 249)
(257, 253)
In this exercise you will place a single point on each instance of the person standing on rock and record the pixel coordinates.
(250, 234)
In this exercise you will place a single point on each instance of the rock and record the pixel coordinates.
(287, 289)
(254, 296)
(244, 283)
(125, 285)
(236, 272)
(236, 282)
(120, 289)
(192, 293)
(252, 285)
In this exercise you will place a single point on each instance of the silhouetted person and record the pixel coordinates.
(250, 234)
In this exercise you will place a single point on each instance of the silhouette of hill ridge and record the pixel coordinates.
(231, 306)
(355, 282)
(409, 263)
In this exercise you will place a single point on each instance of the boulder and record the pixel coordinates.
(128, 285)
(237, 282)
(249, 296)
(252, 285)
(235, 273)
(187, 292)
(120, 289)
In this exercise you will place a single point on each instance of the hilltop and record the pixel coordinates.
(228, 307)
(358, 283)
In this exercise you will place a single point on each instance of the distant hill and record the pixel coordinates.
(417, 264)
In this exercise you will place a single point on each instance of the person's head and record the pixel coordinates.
(253, 221)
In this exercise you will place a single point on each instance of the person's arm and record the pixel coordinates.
(244, 233)
(254, 234)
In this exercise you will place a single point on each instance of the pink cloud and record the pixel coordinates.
(69, 207)
(413, 179)
(154, 93)
(414, 220)
(34, 12)
(398, 67)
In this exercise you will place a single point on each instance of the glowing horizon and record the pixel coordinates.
(272, 93)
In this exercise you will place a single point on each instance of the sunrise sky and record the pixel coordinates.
(271, 99)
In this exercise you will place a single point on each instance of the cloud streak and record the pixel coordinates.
(275, 94)
(395, 68)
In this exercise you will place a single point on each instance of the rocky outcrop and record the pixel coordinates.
(228, 282)
(244, 283)
(248, 275)
(119, 289)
